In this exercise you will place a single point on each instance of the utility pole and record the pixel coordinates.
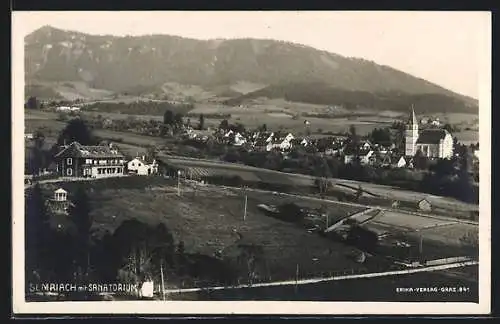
(245, 210)
(296, 278)
(421, 245)
(162, 281)
(179, 183)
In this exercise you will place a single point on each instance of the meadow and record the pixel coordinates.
(208, 221)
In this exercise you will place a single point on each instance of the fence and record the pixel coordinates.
(345, 276)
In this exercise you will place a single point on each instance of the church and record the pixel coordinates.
(432, 142)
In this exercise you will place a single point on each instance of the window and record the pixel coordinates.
(69, 161)
(69, 171)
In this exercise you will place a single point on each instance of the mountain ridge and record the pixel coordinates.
(119, 62)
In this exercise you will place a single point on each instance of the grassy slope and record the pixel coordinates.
(205, 223)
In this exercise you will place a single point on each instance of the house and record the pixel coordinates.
(476, 154)
(401, 162)
(66, 108)
(199, 135)
(141, 166)
(386, 160)
(28, 135)
(60, 195)
(98, 161)
(436, 122)
(286, 142)
(239, 139)
(365, 145)
(63, 108)
(260, 144)
(433, 143)
(59, 203)
(424, 205)
(229, 133)
(275, 141)
(365, 157)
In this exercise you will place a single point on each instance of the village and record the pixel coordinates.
(385, 148)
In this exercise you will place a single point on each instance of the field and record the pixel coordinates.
(207, 219)
(283, 115)
(206, 222)
(67, 90)
(428, 238)
(51, 127)
(447, 206)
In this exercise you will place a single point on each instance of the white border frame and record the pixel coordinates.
(246, 307)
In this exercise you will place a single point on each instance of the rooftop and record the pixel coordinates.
(431, 136)
(77, 150)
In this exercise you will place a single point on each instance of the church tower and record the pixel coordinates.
(411, 134)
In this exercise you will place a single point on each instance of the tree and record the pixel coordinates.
(151, 153)
(291, 212)
(178, 119)
(168, 118)
(443, 168)
(420, 161)
(448, 127)
(322, 184)
(252, 255)
(32, 103)
(380, 136)
(37, 225)
(79, 212)
(359, 193)
(465, 187)
(201, 124)
(39, 141)
(457, 148)
(239, 128)
(224, 124)
(353, 144)
(399, 134)
(76, 131)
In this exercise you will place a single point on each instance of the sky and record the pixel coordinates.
(441, 47)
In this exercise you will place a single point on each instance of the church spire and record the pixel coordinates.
(412, 120)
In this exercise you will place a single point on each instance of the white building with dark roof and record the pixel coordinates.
(433, 143)
(142, 166)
